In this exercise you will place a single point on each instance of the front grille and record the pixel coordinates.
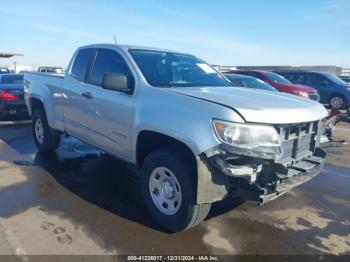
(314, 96)
(298, 140)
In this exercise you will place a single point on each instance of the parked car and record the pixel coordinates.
(281, 83)
(12, 96)
(4, 70)
(252, 82)
(345, 78)
(333, 90)
(195, 138)
(249, 82)
(51, 70)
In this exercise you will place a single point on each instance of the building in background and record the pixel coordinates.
(22, 68)
(335, 70)
(346, 72)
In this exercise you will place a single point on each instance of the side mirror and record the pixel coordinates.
(117, 82)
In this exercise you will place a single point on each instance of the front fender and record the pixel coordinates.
(183, 118)
(188, 120)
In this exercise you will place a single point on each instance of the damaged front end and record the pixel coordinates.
(260, 179)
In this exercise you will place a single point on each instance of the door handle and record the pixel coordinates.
(87, 95)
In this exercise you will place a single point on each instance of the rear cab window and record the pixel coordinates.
(82, 63)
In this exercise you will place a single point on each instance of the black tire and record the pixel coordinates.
(189, 213)
(338, 102)
(50, 139)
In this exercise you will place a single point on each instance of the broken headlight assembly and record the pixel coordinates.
(252, 140)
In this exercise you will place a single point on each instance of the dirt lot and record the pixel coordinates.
(81, 201)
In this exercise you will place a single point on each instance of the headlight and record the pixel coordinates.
(251, 140)
(301, 93)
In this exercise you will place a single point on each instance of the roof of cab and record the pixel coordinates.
(128, 47)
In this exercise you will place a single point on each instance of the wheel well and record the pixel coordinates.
(149, 141)
(36, 104)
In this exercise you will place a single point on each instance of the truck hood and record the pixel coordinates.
(259, 106)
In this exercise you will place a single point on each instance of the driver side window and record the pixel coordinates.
(109, 62)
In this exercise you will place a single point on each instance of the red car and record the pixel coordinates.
(281, 83)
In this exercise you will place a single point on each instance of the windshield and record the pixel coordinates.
(251, 82)
(12, 79)
(165, 69)
(336, 80)
(278, 78)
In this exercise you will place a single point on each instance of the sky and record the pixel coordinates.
(226, 32)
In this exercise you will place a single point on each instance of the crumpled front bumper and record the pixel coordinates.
(266, 181)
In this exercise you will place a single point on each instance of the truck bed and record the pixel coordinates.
(48, 88)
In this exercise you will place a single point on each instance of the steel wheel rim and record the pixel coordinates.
(39, 131)
(337, 102)
(165, 191)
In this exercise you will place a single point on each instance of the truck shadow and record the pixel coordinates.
(109, 184)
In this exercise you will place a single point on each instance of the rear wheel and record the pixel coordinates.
(168, 188)
(45, 139)
(337, 102)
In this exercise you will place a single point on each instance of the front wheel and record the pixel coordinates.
(337, 102)
(168, 188)
(44, 137)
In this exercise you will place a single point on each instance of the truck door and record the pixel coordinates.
(108, 114)
(72, 100)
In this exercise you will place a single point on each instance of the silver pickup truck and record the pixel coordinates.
(195, 138)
